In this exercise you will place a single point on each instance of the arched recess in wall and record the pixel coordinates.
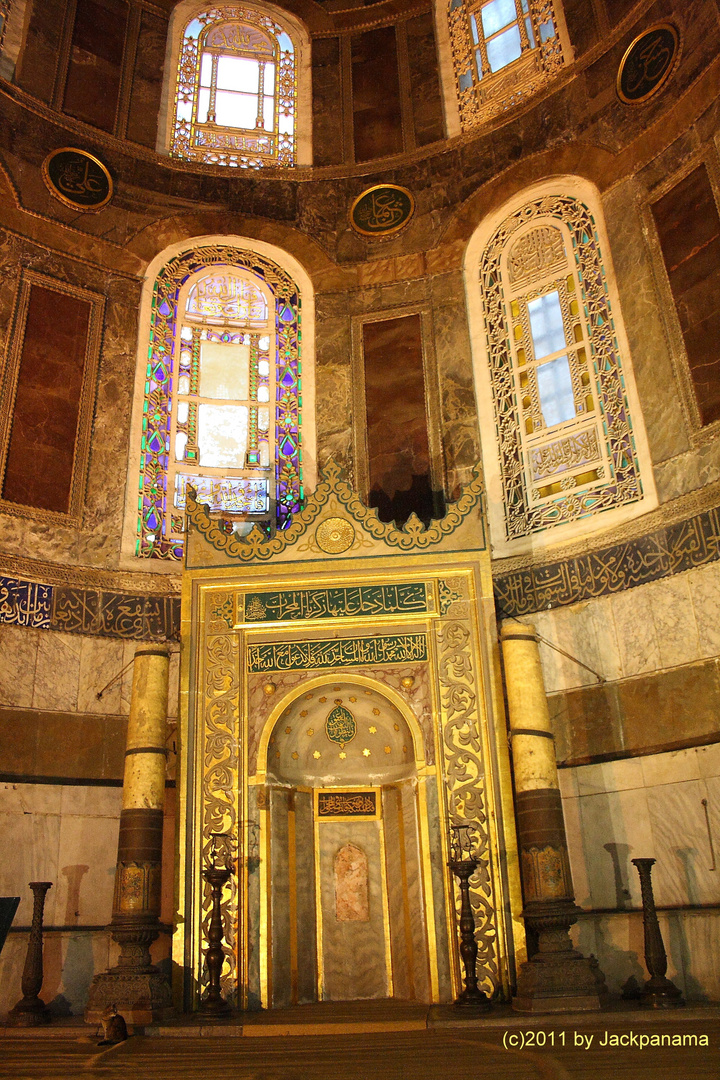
(237, 87)
(224, 393)
(495, 54)
(564, 444)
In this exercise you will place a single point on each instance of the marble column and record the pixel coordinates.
(139, 991)
(557, 978)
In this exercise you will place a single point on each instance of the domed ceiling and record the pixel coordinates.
(341, 733)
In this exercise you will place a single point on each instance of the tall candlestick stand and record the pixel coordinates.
(463, 866)
(217, 877)
(30, 1011)
(658, 992)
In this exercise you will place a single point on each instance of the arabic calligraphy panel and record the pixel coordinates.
(333, 804)
(362, 600)
(648, 64)
(77, 179)
(382, 210)
(336, 652)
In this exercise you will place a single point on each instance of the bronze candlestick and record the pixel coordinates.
(463, 865)
(658, 992)
(30, 1011)
(217, 875)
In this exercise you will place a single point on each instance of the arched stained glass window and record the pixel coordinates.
(221, 409)
(235, 92)
(503, 51)
(567, 445)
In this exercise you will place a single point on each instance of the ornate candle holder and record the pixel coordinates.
(463, 865)
(31, 1011)
(217, 875)
(658, 992)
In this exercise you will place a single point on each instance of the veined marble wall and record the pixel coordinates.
(648, 807)
(67, 834)
(650, 628)
(49, 683)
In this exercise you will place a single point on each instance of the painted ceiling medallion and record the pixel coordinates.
(340, 726)
(382, 210)
(334, 535)
(648, 64)
(77, 179)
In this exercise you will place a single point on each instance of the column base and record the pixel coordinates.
(558, 978)
(140, 998)
(568, 982)
(30, 1013)
(659, 993)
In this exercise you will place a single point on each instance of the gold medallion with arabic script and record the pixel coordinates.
(382, 210)
(340, 726)
(78, 179)
(334, 535)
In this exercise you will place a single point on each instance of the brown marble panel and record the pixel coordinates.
(147, 80)
(93, 79)
(689, 229)
(424, 84)
(397, 436)
(42, 438)
(581, 20)
(326, 101)
(377, 121)
(36, 65)
(664, 711)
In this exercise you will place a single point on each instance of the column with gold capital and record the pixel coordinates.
(139, 991)
(557, 978)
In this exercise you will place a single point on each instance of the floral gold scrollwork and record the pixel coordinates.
(413, 536)
(464, 769)
(221, 688)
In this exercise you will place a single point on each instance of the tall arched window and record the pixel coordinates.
(568, 445)
(235, 89)
(503, 51)
(221, 408)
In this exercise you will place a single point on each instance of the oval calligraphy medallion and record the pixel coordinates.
(334, 535)
(340, 726)
(78, 179)
(382, 210)
(648, 64)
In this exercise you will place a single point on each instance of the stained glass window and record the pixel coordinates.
(235, 92)
(222, 396)
(503, 50)
(565, 436)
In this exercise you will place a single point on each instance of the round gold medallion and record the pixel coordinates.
(334, 535)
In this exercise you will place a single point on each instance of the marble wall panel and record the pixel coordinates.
(644, 807)
(19, 648)
(677, 819)
(615, 828)
(675, 626)
(704, 588)
(58, 671)
(635, 630)
(692, 944)
(100, 661)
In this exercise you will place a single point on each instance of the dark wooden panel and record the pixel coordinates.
(424, 83)
(147, 80)
(689, 229)
(93, 80)
(41, 449)
(377, 121)
(397, 435)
